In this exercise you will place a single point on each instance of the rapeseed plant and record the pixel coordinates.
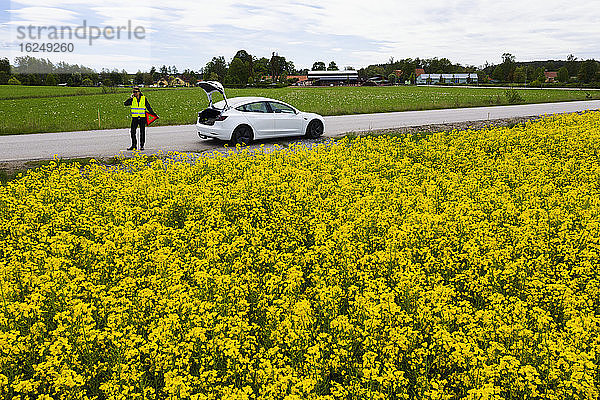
(460, 266)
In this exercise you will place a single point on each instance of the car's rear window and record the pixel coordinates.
(260, 107)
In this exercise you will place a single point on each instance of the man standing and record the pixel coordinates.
(139, 104)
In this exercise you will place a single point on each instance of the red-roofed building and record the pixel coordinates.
(551, 76)
(419, 71)
(301, 78)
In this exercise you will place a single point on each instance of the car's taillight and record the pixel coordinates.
(221, 118)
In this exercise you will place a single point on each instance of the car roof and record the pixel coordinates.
(238, 101)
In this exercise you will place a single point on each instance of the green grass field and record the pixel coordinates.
(70, 109)
(19, 92)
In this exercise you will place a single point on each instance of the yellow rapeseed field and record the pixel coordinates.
(463, 265)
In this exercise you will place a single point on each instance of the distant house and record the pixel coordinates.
(179, 82)
(327, 78)
(172, 81)
(551, 76)
(432, 79)
(419, 71)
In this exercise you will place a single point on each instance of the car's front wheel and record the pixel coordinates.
(242, 135)
(314, 129)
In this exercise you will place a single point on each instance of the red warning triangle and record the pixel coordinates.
(150, 118)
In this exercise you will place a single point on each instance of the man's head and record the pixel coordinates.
(136, 91)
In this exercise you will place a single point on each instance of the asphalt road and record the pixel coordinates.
(183, 138)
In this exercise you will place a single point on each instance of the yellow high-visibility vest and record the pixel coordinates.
(138, 109)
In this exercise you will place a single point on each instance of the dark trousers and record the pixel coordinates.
(141, 121)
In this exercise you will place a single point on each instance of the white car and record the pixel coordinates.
(244, 119)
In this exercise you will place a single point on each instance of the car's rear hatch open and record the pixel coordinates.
(210, 115)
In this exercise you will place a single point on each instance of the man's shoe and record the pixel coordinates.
(131, 148)
(142, 148)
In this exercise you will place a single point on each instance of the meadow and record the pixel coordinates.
(461, 265)
(8, 92)
(58, 111)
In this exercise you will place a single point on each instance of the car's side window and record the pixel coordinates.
(258, 107)
(281, 108)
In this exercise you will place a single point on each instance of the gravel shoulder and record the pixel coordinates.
(445, 127)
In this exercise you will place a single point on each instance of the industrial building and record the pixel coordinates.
(328, 78)
(432, 79)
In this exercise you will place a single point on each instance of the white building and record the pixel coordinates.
(432, 79)
(333, 77)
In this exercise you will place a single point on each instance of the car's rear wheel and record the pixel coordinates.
(314, 129)
(242, 135)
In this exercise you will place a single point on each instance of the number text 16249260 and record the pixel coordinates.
(36, 47)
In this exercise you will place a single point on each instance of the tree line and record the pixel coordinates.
(244, 69)
(570, 70)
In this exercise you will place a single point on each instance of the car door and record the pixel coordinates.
(287, 121)
(260, 118)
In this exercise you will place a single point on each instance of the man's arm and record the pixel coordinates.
(128, 101)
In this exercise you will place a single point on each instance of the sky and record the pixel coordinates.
(351, 33)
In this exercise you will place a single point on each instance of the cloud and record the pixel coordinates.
(349, 32)
(42, 16)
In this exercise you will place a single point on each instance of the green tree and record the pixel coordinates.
(332, 66)
(155, 75)
(319, 66)
(50, 80)
(290, 68)
(277, 65)
(248, 61)
(139, 78)
(563, 74)
(14, 81)
(87, 82)
(539, 74)
(148, 79)
(283, 78)
(4, 65)
(392, 78)
(587, 71)
(374, 70)
(218, 65)
(237, 73)
(261, 68)
(94, 77)
(164, 72)
(125, 79)
(189, 76)
(505, 71)
(520, 74)
(572, 65)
